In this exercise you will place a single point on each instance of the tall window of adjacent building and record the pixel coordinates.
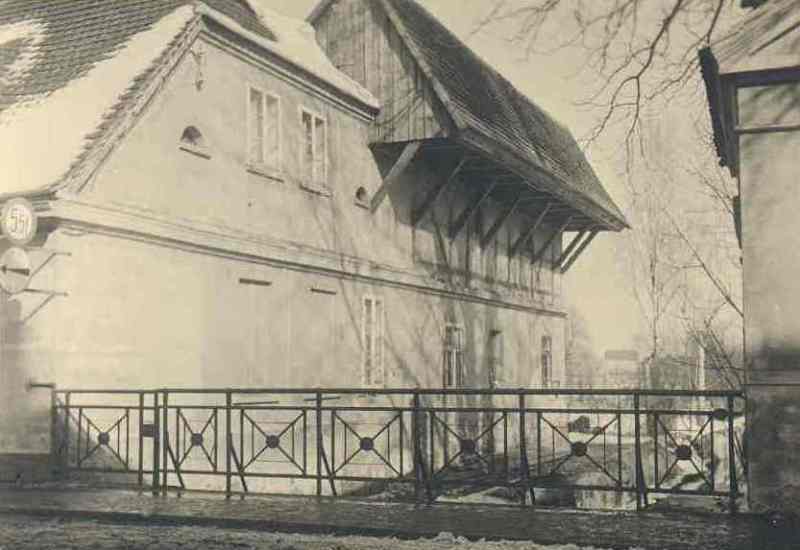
(263, 132)
(495, 349)
(372, 341)
(547, 361)
(453, 356)
(314, 149)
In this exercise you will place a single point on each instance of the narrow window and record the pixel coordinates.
(453, 356)
(547, 361)
(264, 129)
(256, 127)
(314, 149)
(495, 350)
(372, 341)
(273, 132)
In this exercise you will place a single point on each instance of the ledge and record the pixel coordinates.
(201, 152)
(265, 171)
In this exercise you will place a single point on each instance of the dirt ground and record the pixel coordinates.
(29, 533)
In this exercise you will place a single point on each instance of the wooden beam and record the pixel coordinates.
(525, 237)
(486, 239)
(557, 233)
(470, 211)
(418, 213)
(400, 165)
(571, 247)
(578, 252)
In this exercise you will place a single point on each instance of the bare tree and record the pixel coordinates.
(641, 50)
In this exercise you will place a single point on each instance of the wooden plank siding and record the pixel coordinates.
(361, 42)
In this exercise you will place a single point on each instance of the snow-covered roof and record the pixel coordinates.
(295, 41)
(69, 70)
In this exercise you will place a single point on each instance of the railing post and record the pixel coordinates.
(523, 452)
(156, 444)
(319, 442)
(416, 448)
(65, 458)
(228, 439)
(733, 482)
(164, 455)
(140, 473)
(641, 484)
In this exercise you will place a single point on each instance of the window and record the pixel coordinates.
(314, 152)
(263, 130)
(547, 361)
(495, 351)
(453, 356)
(192, 141)
(372, 341)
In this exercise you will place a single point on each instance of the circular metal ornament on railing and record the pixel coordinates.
(367, 444)
(579, 448)
(683, 452)
(273, 441)
(197, 440)
(468, 446)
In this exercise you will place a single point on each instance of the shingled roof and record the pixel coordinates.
(69, 69)
(480, 99)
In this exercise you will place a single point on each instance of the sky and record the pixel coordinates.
(596, 283)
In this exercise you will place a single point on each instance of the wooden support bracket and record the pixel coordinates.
(580, 249)
(526, 236)
(401, 164)
(486, 239)
(464, 218)
(557, 233)
(567, 251)
(419, 213)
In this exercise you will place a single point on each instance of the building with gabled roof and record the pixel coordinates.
(224, 202)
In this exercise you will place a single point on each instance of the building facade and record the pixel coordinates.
(251, 211)
(753, 84)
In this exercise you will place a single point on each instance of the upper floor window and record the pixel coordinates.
(453, 356)
(547, 361)
(263, 131)
(372, 341)
(314, 150)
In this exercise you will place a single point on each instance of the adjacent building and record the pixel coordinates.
(753, 84)
(230, 198)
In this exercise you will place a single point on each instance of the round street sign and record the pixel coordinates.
(18, 221)
(15, 270)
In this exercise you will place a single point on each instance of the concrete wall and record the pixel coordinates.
(152, 253)
(770, 237)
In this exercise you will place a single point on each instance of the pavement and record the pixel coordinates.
(343, 517)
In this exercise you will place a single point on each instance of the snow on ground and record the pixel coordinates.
(27, 533)
(40, 139)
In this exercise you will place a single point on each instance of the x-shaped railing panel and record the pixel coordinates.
(104, 439)
(272, 441)
(466, 446)
(365, 444)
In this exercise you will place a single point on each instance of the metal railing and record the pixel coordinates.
(638, 443)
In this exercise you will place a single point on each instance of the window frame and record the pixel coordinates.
(314, 183)
(546, 352)
(264, 167)
(496, 358)
(457, 354)
(377, 341)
